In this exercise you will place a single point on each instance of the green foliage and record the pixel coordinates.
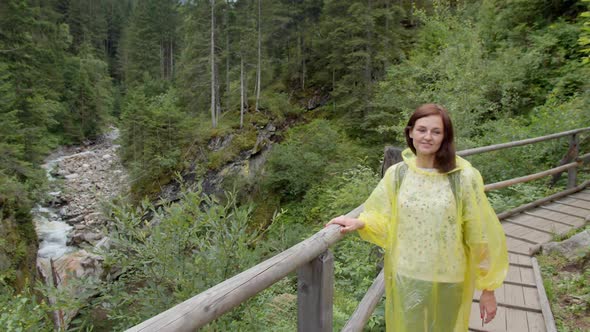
(21, 312)
(302, 160)
(148, 42)
(186, 248)
(584, 40)
(89, 97)
(449, 65)
(154, 132)
(341, 193)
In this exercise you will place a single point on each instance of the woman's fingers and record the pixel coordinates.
(490, 313)
(337, 221)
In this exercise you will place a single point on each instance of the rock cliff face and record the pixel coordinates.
(247, 165)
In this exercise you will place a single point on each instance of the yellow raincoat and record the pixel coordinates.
(441, 240)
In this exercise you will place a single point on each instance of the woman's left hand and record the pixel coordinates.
(487, 306)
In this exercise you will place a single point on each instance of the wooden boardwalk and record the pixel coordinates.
(519, 299)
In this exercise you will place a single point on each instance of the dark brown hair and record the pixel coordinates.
(444, 159)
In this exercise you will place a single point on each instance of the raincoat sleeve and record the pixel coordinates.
(378, 211)
(483, 234)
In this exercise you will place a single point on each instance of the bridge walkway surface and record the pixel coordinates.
(522, 302)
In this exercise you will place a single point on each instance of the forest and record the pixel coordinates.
(313, 88)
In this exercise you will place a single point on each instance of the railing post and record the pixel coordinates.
(572, 173)
(315, 291)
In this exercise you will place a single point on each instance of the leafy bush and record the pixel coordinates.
(21, 312)
(303, 159)
(186, 248)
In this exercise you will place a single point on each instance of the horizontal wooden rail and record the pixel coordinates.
(531, 177)
(542, 201)
(584, 158)
(469, 152)
(212, 303)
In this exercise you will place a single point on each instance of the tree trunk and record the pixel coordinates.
(218, 96)
(368, 63)
(241, 92)
(212, 59)
(258, 73)
(227, 56)
(333, 89)
(172, 59)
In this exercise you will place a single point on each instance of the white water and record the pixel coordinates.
(52, 231)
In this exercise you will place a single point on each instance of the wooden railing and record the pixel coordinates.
(315, 265)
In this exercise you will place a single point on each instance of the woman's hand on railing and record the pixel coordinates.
(348, 224)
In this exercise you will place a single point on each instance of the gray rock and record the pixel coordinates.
(573, 248)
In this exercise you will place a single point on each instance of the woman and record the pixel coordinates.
(441, 237)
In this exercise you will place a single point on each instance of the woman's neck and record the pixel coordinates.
(425, 161)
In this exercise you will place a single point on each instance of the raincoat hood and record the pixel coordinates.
(410, 159)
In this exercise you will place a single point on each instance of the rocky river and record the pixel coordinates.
(71, 226)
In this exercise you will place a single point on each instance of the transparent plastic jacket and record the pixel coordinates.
(441, 239)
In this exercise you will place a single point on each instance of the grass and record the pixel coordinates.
(567, 284)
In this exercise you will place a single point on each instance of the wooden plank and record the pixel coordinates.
(537, 223)
(513, 274)
(569, 210)
(555, 217)
(527, 234)
(571, 201)
(538, 237)
(514, 295)
(315, 293)
(524, 260)
(529, 226)
(545, 307)
(516, 320)
(520, 260)
(535, 322)
(581, 196)
(518, 246)
(521, 239)
(542, 201)
(531, 298)
(527, 276)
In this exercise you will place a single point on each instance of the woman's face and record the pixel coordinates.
(427, 135)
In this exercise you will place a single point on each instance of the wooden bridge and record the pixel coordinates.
(522, 302)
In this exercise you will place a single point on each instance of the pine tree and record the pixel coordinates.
(149, 41)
